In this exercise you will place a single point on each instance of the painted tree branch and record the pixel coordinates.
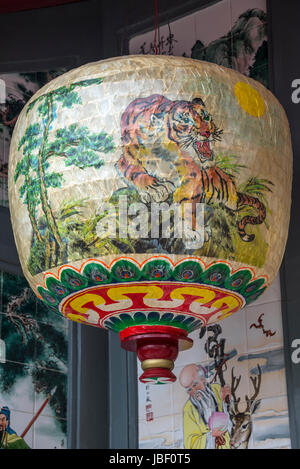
(24, 323)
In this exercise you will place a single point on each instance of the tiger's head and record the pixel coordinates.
(158, 121)
(194, 126)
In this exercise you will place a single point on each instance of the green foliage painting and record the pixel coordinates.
(36, 349)
(223, 223)
(223, 240)
(76, 145)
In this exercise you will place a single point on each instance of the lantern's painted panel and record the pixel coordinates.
(98, 148)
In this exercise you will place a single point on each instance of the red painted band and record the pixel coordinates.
(157, 373)
(148, 329)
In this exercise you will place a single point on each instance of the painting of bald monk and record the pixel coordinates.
(206, 420)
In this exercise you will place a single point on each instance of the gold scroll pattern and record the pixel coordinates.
(96, 304)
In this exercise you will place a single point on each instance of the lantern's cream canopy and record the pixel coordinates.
(97, 150)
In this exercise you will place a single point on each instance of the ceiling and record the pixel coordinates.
(10, 6)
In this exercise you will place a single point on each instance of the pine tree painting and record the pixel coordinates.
(36, 352)
(76, 145)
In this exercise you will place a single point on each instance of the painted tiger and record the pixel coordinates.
(160, 136)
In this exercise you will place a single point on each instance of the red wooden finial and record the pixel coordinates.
(157, 348)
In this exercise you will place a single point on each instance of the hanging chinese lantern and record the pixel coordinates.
(150, 196)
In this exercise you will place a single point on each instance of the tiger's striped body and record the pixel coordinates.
(178, 134)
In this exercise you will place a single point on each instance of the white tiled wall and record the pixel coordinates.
(247, 346)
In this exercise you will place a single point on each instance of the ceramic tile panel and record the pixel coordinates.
(31, 334)
(145, 43)
(50, 433)
(249, 39)
(242, 428)
(261, 73)
(20, 345)
(218, 51)
(180, 394)
(271, 424)
(234, 330)
(36, 362)
(247, 59)
(19, 423)
(196, 352)
(35, 342)
(19, 87)
(239, 7)
(266, 414)
(180, 36)
(54, 349)
(213, 22)
(16, 387)
(45, 315)
(178, 431)
(18, 298)
(1, 291)
(171, 39)
(236, 374)
(230, 48)
(6, 128)
(241, 372)
(140, 44)
(157, 434)
(213, 44)
(273, 293)
(18, 90)
(273, 378)
(252, 360)
(3, 165)
(49, 321)
(4, 189)
(50, 392)
(264, 327)
(203, 404)
(183, 42)
(154, 401)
